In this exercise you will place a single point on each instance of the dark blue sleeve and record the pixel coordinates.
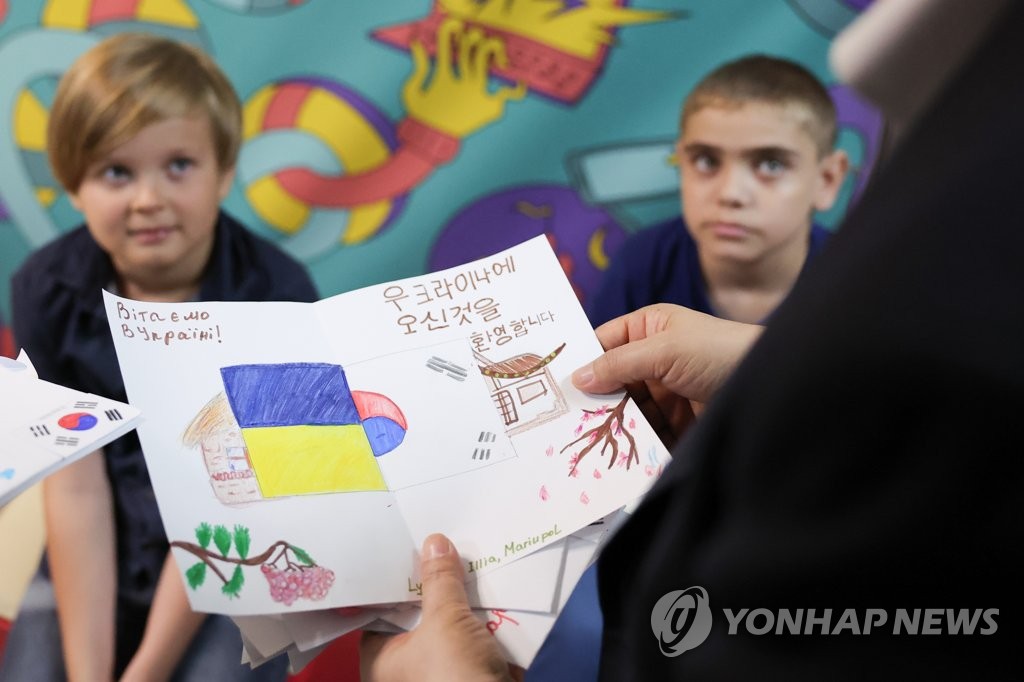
(32, 331)
(297, 286)
(635, 276)
(613, 295)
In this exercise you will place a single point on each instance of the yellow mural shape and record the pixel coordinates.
(276, 206)
(30, 117)
(301, 460)
(170, 12)
(73, 14)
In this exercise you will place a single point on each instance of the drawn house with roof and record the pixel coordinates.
(523, 390)
(219, 438)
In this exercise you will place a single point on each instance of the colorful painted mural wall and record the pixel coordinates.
(374, 149)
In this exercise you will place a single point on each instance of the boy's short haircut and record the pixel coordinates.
(771, 80)
(127, 82)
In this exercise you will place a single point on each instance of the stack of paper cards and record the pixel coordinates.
(301, 452)
(44, 427)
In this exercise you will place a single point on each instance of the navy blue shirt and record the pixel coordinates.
(59, 319)
(660, 265)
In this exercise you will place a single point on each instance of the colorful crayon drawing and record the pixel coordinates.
(524, 390)
(606, 435)
(293, 429)
(290, 571)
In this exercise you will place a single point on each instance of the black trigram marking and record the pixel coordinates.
(481, 453)
(39, 430)
(451, 369)
(86, 405)
(65, 440)
(113, 415)
(486, 437)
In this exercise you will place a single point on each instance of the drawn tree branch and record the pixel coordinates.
(606, 434)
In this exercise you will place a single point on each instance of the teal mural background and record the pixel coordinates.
(587, 172)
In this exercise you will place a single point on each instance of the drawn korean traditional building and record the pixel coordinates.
(217, 435)
(525, 399)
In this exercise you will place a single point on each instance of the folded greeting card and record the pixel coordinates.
(44, 427)
(301, 452)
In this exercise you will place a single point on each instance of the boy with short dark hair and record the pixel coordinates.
(757, 159)
(143, 135)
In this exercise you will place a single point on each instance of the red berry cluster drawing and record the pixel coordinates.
(290, 572)
(297, 582)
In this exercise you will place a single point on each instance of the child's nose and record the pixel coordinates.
(148, 194)
(735, 185)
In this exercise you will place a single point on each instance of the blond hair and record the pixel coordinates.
(770, 80)
(127, 82)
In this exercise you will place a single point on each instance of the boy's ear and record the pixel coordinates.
(227, 178)
(73, 198)
(831, 173)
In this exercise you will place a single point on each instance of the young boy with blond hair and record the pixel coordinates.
(143, 135)
(757, 159)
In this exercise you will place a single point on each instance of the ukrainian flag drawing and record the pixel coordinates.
(306, 432)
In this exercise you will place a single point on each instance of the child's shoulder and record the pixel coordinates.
(259, 268)
(654, 242)
(59, 258)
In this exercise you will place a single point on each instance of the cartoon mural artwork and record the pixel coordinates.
(293, 429)
(524, 390)
(304, 190)
(583, 236)
(369, 165)
(554, 49)
(290, 572)
(331, 129)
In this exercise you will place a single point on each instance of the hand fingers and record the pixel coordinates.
(622, 329)
(442, 575)
(618, 366)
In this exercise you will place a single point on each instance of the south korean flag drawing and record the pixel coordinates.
(66, 430)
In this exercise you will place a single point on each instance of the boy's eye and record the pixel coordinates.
(771, 166)
(116, 173)
(704, 163)
(180, 165)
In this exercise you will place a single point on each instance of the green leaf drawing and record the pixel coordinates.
(234, 586)
(222, 538)
(242, 541)
(196, 575)
(301, 555)
(203, 534)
